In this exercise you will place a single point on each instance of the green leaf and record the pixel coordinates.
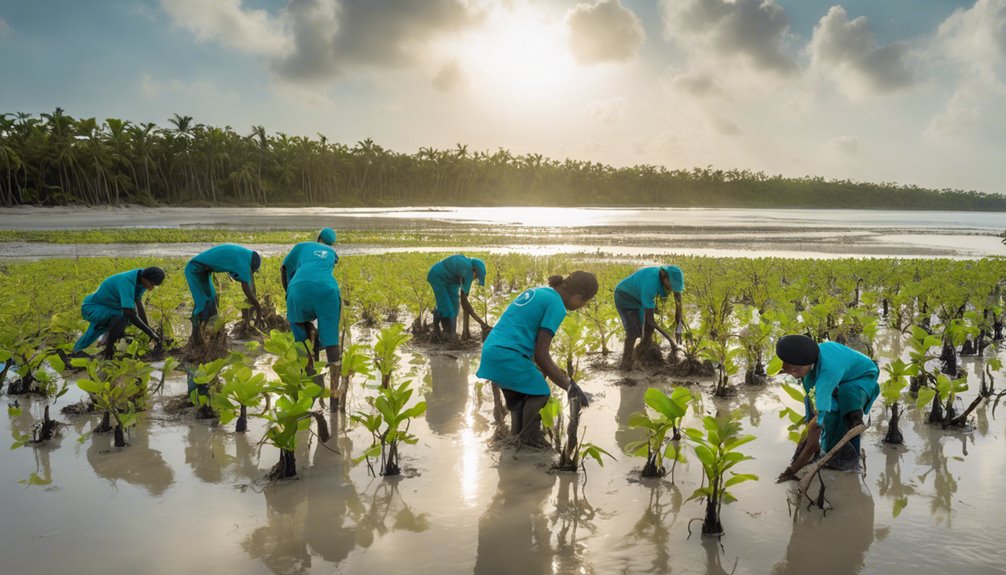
(899, 505)
(925, 397)
(739, 478)
(796, 394)
(700, 493)
(774, 366)
(89, 386)
(662, 404)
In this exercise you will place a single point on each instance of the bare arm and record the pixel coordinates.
(141, 311)
(249, 290)
(467, 305)
(282, 277)
(679, 318)
(810, 447)
(544, 361)
(133, 317)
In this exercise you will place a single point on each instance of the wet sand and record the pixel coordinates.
(194, 491)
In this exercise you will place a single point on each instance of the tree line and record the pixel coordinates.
(56, 159)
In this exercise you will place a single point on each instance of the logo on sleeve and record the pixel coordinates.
(524, 298)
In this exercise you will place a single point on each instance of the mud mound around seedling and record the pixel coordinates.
(179, 407)
(648, 357)
(215, 347)
(691, 368)
(82, 407)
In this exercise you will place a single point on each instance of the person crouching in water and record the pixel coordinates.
(845, 386)
(116, 304)
(515, 355)
(635, 301)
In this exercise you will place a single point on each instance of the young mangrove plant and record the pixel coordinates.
(898, 373)
(240, 391)
(119, 390)
(355, 361)
(920, 350)
(723, 356)
(389, 426)
(668, 413)
(574, 451)
(716, 446)
(942, 396)
(385, 356)
(295, 392)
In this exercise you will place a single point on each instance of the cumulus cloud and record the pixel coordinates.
(451, 77)
(608, 111)
(847, 51)
(227, 22)
(604, 32)
(972, 46)
(314, 40)
(331, 36)
(754, 31)
(697, 84)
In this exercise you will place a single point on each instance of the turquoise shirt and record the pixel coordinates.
(640, 290)
(454, 270)
(313, 261)
(119, 291)
(837, 364)
(535, 309)
(233, 259)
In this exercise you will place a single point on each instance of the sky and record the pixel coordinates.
(905, 91)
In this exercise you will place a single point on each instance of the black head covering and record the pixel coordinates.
(256, 261)
(154, 275)
(797, 350)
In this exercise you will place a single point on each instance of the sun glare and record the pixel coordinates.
(519, 55)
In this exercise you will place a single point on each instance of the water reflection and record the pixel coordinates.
(572, 513)
(890, 483)
(654, 526)
(206, 452)
(447, 395)
(835, 543)
(630, 401)
(513, 530)
(137, 464)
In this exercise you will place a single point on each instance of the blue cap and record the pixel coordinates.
(480, 270)
(676, 276)
(327, 236)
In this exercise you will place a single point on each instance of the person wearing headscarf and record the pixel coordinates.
(451, 280)
(117, 303)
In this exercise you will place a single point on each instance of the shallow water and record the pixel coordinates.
(464, 506)
(624, 232)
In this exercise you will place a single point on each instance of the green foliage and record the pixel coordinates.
(898, 373)
(717, 448)
(389, 425)
(667, 413)
(385, 355)
(118, 387)
(294, 392)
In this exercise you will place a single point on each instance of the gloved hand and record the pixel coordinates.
(574, 391)
(486, 328)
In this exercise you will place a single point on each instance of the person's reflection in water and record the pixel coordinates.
(448, 395)
(137, 464)
(836, 543)
(332, 499)
(630, 401)
(513, 530)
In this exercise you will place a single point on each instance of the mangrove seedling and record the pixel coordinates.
(295, 392)
(355, 360)
(669, 411)
(724, 358)
(898, 373)
(920, 347)
(385, 356)
(241, 389)
(716, 446)
(118, 389)
(389, 426)
(942, 397)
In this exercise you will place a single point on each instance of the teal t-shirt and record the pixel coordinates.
(534, 309)
(312, 261)
(233, 259)
(454, 270)
(119, 291)
(837, 364)
(640, 290)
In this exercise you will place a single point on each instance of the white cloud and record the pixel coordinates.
(604, 32)
(5, 28)
(227, 22)
(608, 111)
(752, 31)
(847, 51)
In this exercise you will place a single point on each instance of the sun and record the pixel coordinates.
(519, 55)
